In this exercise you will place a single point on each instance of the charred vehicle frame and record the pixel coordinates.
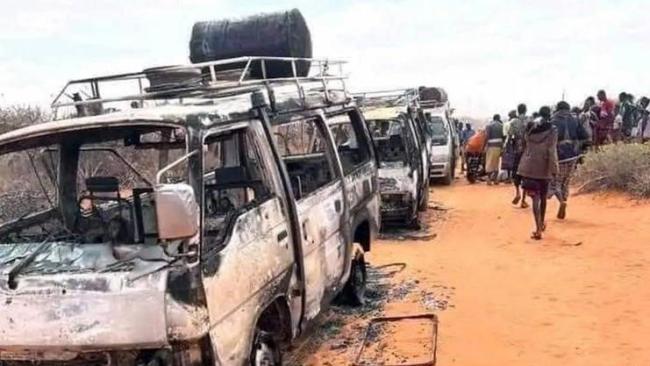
(258, 216)
(402, 149)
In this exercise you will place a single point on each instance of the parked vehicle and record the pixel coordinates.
(444, 141)
(444, 151)
(403, 156)
(202, 221)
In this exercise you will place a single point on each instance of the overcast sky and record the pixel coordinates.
(489, 55)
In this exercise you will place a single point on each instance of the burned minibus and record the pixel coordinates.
(401, 149)
(206, 218)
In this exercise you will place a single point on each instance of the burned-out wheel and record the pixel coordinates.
(424, 201)
(265, 351)
(353, 293)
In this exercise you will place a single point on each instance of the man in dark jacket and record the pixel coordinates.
(571, 134)
(494, 147)
(539, 165)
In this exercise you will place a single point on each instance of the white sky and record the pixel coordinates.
(489, 55)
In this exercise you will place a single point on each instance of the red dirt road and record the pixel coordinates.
(579, 297)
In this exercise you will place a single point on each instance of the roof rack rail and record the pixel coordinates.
(388, 98)
(432, 103)
(183, 84)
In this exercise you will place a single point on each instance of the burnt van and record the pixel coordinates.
(204, 217)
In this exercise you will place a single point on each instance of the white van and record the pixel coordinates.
(443, 152)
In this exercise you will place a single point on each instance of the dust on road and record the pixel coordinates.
(579, 297)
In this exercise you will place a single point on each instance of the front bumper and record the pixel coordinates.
(438, 170)
(397, 206)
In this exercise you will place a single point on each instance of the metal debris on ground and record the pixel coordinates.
(416, 334)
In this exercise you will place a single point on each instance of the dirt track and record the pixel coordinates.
(579, 297)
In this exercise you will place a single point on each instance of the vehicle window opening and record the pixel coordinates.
(303, 147)
(350, 140)
(437, 129)
(391, 141)
(100, 188)
(235, 181)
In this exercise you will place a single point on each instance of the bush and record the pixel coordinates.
(620, 167)
(17, 116)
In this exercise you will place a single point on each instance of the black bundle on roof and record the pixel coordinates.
(433, 94)
(283, 34)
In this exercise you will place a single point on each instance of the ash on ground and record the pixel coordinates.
(425, 230)
(379, 291)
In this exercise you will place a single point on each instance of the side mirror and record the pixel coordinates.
(177, 212)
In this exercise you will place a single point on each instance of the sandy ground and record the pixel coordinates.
(579, 297)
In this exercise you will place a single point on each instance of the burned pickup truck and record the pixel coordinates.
(402, 151)
(200, 221)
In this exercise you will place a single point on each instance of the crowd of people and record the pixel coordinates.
(539, 153)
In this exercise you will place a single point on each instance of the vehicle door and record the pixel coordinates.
(425, 143)
(415, 154)
(247, 256)
(354, 146)
(309, 156)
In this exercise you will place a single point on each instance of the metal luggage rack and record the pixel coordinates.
(432, 104)
(324, 83)
(388, 98)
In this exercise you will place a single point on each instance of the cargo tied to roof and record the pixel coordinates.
(283, 34)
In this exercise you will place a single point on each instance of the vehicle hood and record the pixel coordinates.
(79, 297)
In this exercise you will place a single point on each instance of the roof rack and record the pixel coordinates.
(307, 81)
(432, 104)
(388, 98)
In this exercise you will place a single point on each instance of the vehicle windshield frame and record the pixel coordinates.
(82, 138)
(410, 140)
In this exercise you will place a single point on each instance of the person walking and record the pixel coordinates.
(493, 150)
(465, 135)
(642, 129)
(508, 156)
(538, 165)
(515, 142)
(605, 124)
(588, 119)
(570, 136)
(626, 111)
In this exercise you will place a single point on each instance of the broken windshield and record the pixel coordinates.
(26, 184)
(391, 140)
(437, 130)
(83, 186)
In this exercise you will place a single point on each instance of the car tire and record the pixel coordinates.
(353, 293)
(265, 350)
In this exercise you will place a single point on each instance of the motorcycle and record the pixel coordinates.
(475, 166)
